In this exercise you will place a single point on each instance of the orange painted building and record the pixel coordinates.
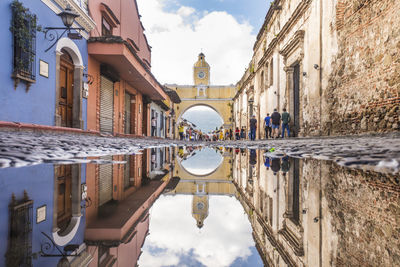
(119, 67)
(117, 215)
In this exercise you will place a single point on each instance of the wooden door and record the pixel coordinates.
(64, 195)
(65, 99)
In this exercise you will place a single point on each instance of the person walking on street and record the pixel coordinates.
(267, 161)
(285, 123)
(285, 165)
(242, 134)
(237, 133)
(153, 126)
(276, 121)
(181, 130)
(267, 126)
(253, 127)
(275, 165)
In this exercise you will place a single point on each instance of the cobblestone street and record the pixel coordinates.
(380, 153)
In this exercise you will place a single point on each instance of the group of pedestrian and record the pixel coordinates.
(273, 125)
(240, 133)
(277, 164)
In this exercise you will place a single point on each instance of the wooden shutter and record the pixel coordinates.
(106, 105)
(105, 182)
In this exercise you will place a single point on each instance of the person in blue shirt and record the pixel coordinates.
(266, 162)
(267, 126)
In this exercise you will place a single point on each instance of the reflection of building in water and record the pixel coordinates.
(217, 182)
(42, 205)
(308, 213)
(200, 209)
(118, 222)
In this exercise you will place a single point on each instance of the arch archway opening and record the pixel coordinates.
(205, 118)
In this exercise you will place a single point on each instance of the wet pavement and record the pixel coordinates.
(378, 153)
(98, 201)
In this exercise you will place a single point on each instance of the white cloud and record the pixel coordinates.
(177, 38)
(226, 234)
(185, 11)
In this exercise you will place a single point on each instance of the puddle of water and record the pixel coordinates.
(192, 206)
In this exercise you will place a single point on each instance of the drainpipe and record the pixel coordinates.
(320, 129)
(320, 65)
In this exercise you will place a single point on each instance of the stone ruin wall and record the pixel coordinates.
(365, 212)
(363, 94)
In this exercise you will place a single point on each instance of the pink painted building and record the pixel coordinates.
(120, 66)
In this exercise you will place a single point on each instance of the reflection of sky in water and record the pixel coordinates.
(175, 240)
(204, 162)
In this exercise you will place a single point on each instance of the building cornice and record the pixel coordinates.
(195, 86)
(84, 20)
(274, 7)
(207, 99)
(299, 11)
(297, 41)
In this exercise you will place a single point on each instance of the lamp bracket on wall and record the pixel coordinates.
(89, 78)
(52, 35)
(68, 17)
(47, 250)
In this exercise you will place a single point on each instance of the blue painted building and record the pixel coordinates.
(40, 87)
(53, 206)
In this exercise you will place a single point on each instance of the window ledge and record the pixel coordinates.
(18, 77)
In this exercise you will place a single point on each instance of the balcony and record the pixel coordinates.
(120, 54)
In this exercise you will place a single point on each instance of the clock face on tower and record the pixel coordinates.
(201, 74)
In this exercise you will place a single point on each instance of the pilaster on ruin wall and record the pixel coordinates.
(363, 94)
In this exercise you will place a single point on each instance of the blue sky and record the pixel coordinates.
(224, 30)
(252, 11)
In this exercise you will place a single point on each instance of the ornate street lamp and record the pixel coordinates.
(68, 17)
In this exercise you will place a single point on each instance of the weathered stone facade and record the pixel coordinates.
(363, 94)
(334, 65)
(365, 216)
(316, 213)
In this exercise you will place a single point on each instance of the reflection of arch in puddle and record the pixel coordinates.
(204, 163)
(66, 208)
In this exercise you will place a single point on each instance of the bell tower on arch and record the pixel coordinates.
(201, 71)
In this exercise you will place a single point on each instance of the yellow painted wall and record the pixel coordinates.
(217, 97)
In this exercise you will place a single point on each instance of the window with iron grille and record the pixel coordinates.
(23, 27)
(19, 252)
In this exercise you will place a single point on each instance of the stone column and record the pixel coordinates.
(57, 117)
(77, 121)
(289, 96)
(76, 190)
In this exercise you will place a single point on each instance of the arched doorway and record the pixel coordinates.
(67, 203)
(69, 80)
